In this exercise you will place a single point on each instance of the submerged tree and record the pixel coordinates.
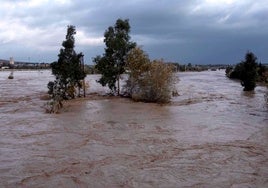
(138, 63)
(67, 70)
(158, 82)
(149, 81)
(112, 64)
(249, 72)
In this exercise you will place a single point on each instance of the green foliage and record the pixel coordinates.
(112, 64)
(148, 81)
(237, 72)
(67, 70)
(246, 71)
(249, 72)
(228, 71)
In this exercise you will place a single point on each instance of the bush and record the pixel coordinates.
(137, 65)
(148, 81)
(156, 84)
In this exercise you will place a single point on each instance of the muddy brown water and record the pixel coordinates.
(212, 135)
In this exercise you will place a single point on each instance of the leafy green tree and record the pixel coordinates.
(249, 72)
(67, 70)
(112, 64)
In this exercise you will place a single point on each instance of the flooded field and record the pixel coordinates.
(212, 135)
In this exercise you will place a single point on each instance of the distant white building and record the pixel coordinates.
(11, 61)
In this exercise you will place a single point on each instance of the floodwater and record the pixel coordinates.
(212, 135)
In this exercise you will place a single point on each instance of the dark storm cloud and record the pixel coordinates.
(192, 31)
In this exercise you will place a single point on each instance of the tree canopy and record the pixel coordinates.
(112, 63)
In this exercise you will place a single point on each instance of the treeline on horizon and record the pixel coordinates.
(5, 64)
(90, 69)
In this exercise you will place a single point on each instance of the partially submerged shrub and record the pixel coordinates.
(149, 81)
(138, 63)
(156, 84)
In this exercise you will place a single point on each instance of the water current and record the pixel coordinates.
(212, 135)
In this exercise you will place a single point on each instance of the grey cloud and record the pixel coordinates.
(184, 31)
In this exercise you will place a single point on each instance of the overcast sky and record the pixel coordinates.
(184, 31)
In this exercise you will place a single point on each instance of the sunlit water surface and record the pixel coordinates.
(212, 135)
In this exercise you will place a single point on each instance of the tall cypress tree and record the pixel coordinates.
(67, 70)
(249, 72)
(112, 64)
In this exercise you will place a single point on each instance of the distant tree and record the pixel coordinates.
(67, 70)
(112, 64)
(249, 72)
